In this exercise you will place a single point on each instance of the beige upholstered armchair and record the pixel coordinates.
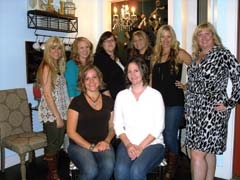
(16, 127)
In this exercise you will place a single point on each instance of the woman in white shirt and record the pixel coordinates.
(139, 123)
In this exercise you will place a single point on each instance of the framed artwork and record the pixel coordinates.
(33, 60)
(139, 14)
(129, 16)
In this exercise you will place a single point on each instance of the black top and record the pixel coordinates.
(164, 81)
(113, 75)
(92, 124)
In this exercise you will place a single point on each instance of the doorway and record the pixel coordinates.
(236, 154)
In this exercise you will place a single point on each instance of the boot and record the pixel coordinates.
(63, 165)
(52, 167)
(171, 166)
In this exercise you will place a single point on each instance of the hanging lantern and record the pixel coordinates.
(69, 8)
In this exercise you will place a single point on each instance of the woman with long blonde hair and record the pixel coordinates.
(54, 101)
(167, 61)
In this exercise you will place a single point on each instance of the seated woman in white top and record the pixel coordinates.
(139, 123)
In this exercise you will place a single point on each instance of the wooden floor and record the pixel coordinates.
(38, 171)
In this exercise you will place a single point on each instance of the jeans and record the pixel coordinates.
(173, 117)
(127, 169)
(92, 165)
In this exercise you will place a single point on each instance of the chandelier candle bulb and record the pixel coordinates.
(125, 19)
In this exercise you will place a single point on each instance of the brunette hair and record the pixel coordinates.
(103, 37)
(83, 73)
(55, 67)
(139, 61)
(208, 26)
(174, 49)
(74, 53)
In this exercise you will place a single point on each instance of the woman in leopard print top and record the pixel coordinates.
(207, 105)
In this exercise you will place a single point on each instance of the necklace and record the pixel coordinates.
(93, 101)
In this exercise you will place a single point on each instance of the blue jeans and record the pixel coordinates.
(173, 117)
(92, 165)
(126, 169)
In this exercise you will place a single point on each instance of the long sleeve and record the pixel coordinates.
(138, 119)
(113, 75)
(234, 74)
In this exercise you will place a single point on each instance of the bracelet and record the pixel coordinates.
(91, 147)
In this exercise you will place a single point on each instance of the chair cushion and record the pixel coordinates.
(25, 142)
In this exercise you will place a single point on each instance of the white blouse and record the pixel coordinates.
(139, 118)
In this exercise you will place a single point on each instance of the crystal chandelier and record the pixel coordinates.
(124, 19)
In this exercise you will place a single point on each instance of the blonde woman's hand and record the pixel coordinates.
(220, 107)
(59, 123)
(180, 85)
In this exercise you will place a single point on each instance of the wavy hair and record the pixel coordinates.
(208, 26)
(82, 76)
(144, 36)
(74, 53)
(55, 67)
(174, 49)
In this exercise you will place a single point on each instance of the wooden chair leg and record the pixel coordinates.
(2, 159)
(23, 166)
(31, 155)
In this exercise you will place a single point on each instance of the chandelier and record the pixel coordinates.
(124, 19)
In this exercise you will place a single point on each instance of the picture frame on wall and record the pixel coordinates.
(129, 16)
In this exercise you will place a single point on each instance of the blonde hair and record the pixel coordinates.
(74, 52)
(158, 48)
(55, 67)
(208, 26)
(144, 36)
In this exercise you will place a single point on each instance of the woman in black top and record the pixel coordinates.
(167, 60)
(90, 128)
(107, 61)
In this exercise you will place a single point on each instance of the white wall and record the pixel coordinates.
(223, 14)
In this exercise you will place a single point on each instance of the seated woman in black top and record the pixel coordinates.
(90, 128)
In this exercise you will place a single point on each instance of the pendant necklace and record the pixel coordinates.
(94, 101)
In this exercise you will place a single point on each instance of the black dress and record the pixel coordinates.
(164, 81)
